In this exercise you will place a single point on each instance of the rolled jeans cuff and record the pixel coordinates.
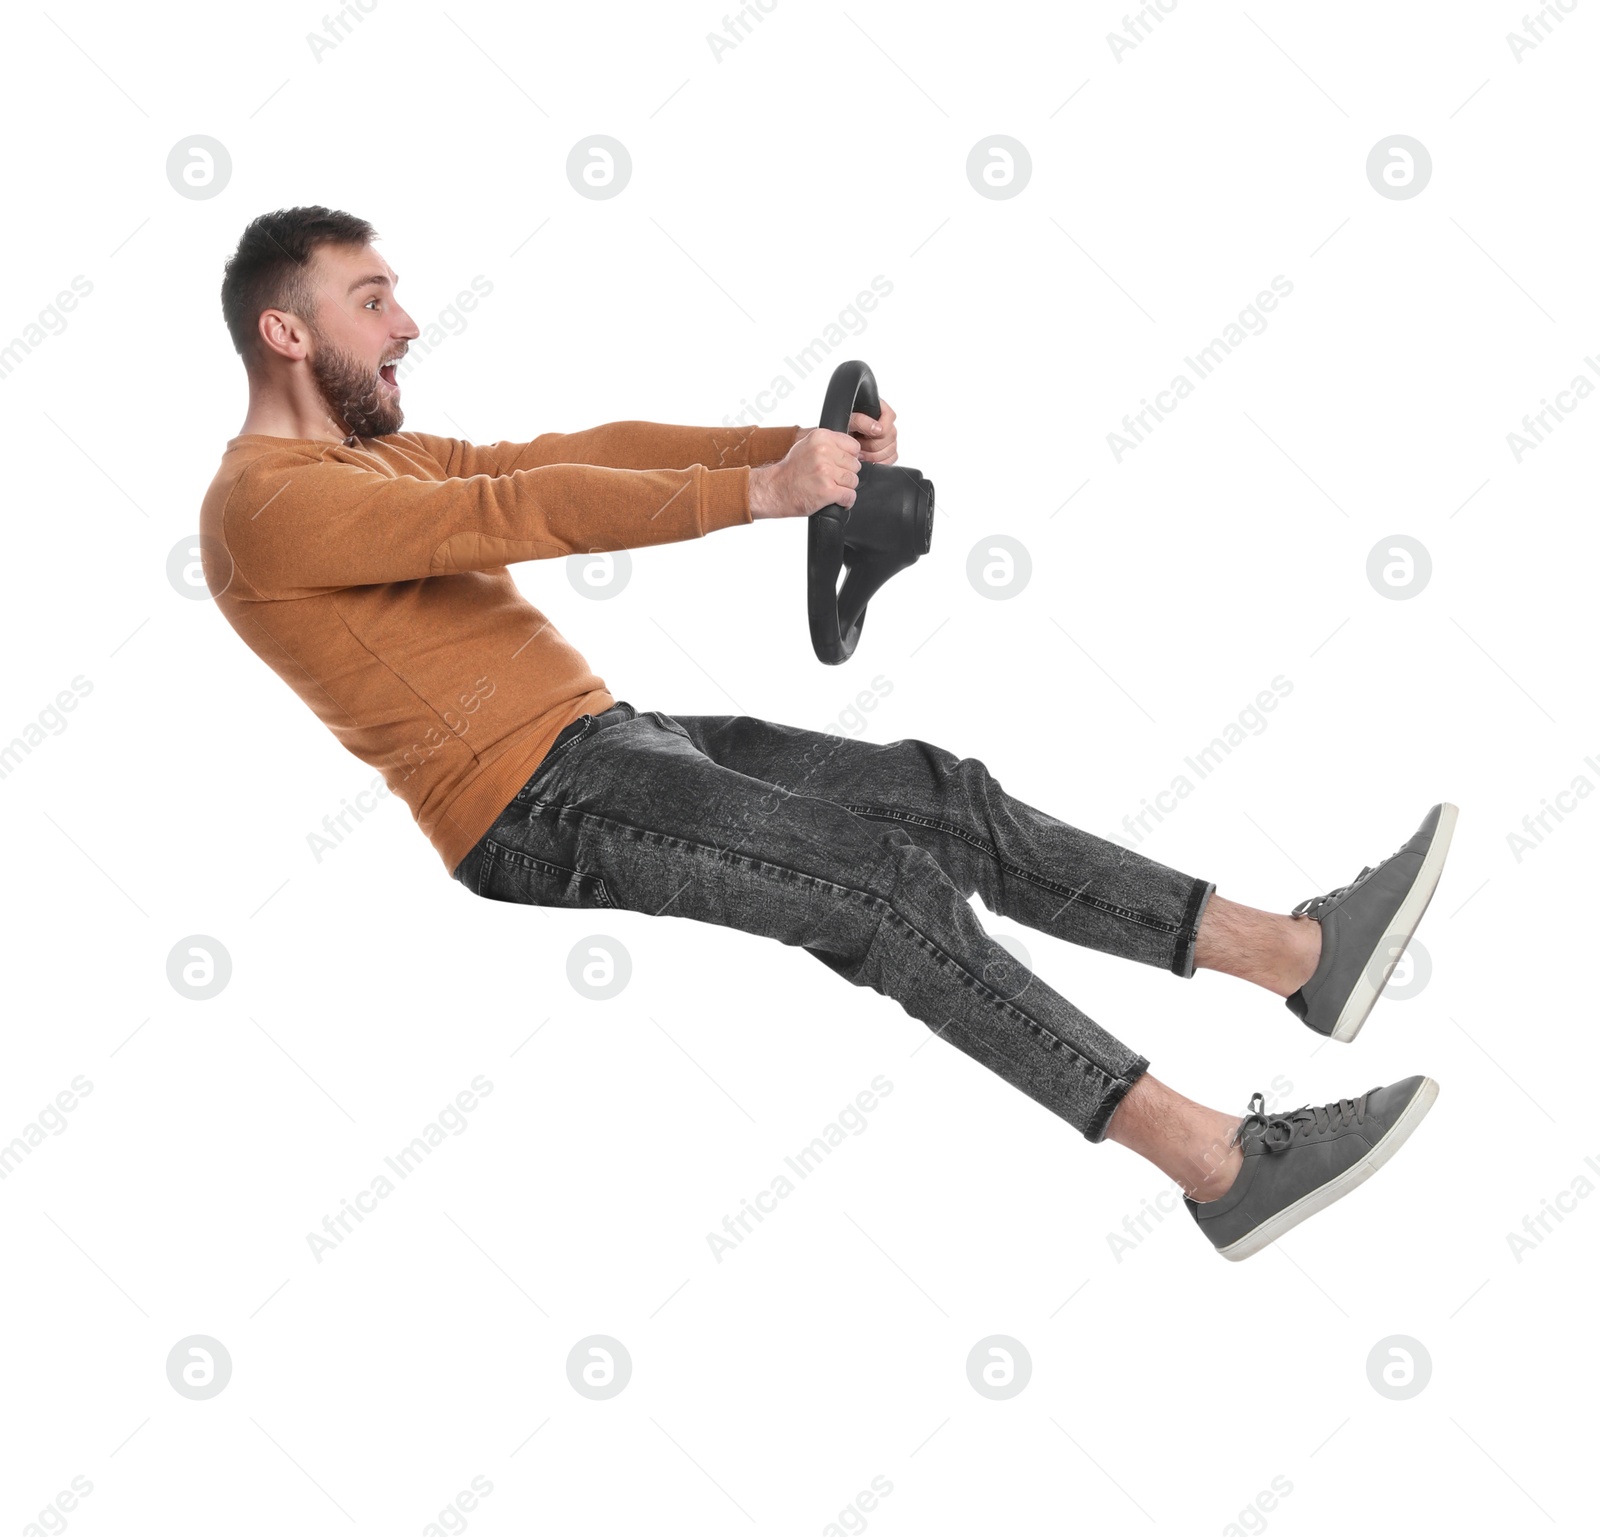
(1183, 946)
(1095, 1131)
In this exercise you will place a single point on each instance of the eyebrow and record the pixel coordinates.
(375, 279)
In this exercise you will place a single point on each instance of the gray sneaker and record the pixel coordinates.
(1296, 1164)
(1366, 927)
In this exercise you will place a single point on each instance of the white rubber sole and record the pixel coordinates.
(1341, 1184)
(1409, 914)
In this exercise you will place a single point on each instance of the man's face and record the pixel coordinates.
(359, 333)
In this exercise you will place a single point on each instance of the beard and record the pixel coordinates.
(353, 393)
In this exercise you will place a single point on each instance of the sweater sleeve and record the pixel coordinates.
(631, 445)
(295, 527)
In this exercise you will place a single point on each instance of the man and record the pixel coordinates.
(368, 567)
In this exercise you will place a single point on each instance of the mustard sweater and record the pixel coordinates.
(372, 579)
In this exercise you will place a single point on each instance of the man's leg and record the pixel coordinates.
(1190, 1143)
(1274, 950)
(1022, 863)
(632, 814)
(1246, 1181)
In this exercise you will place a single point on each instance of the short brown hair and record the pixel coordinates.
(269, 271)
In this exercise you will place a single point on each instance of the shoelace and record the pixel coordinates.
(1278, 1131)
(1327, 899)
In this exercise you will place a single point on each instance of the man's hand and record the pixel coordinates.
(820, 470)
(823, 468)
(879, 442)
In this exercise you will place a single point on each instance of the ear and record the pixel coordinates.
(284, 334)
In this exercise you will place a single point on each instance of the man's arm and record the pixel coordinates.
(295, 526)
(618, 445)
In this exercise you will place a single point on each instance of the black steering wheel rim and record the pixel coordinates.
(852, 388)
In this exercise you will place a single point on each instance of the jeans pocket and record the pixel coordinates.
(508, 875)
(545, 769)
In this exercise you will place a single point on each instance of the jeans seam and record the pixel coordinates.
(650, 835)
(885, 813)
(1054, 1042)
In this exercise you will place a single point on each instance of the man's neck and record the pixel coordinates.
(276, 418)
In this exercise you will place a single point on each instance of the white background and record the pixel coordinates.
(1168, 187)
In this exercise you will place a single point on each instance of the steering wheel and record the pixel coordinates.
(889, 528)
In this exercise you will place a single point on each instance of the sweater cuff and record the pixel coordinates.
(767, 445)
(727, 499)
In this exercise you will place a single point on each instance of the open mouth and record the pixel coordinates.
(386, 373)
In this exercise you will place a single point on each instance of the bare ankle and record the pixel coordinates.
(1188, 1142)
(1219, 1178)
(1306, 947)
(1274, 950)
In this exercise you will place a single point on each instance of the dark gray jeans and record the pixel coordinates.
(863, 855)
